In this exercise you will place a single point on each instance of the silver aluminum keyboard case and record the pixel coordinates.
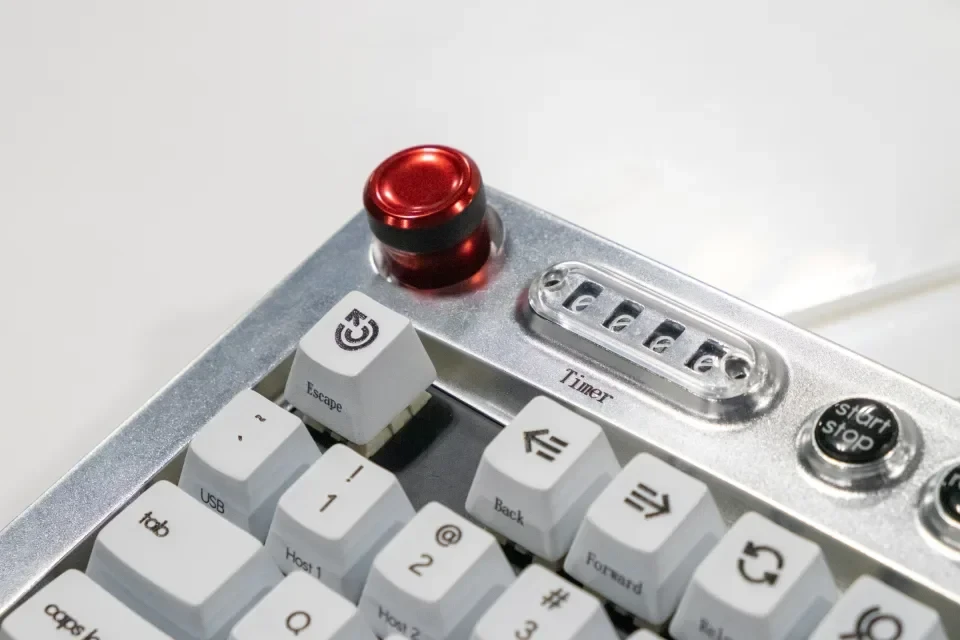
(488, 356)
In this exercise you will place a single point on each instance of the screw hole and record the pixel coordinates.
(553, 280)
(736, 368)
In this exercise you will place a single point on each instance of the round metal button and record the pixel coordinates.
(949, 493)
(427, 206)
(939, 511)
(859, 444)
(425, 199)
(857, 431)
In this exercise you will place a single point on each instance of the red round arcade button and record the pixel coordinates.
(426, 205)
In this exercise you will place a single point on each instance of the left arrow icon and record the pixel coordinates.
(540, 441)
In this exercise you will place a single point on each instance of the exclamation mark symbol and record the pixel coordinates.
(354, 474)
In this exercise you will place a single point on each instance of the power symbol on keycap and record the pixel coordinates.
(754, 552)
(363, 332)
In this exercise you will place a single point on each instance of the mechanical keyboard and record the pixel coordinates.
(464, 418)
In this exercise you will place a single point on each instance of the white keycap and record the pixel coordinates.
(541, 604)
(871, 610)
(182, 567)
(336, 518)
(241, 461)
(303, 608)
(358, 367)
(644, 634)
(74, 606)
(760, 582)
(435, 578)
(537, 478)
(643, 537)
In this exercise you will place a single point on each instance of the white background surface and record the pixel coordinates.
(163, 164)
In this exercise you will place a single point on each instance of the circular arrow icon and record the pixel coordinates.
(753, 551)
(363, 331)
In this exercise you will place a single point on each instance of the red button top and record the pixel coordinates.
(422, 187)
(425, 199)
(427, 207)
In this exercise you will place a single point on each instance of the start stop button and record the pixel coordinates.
(857, 431)
(859, 443)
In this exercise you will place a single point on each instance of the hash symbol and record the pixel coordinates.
(554, 599)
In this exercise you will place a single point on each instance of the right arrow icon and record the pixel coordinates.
(648, 501)
(753, 551)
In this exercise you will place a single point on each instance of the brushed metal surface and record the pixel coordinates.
(488, 356)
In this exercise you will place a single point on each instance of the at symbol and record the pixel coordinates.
(351, 338)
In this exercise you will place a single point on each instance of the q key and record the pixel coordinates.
(304, 608)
